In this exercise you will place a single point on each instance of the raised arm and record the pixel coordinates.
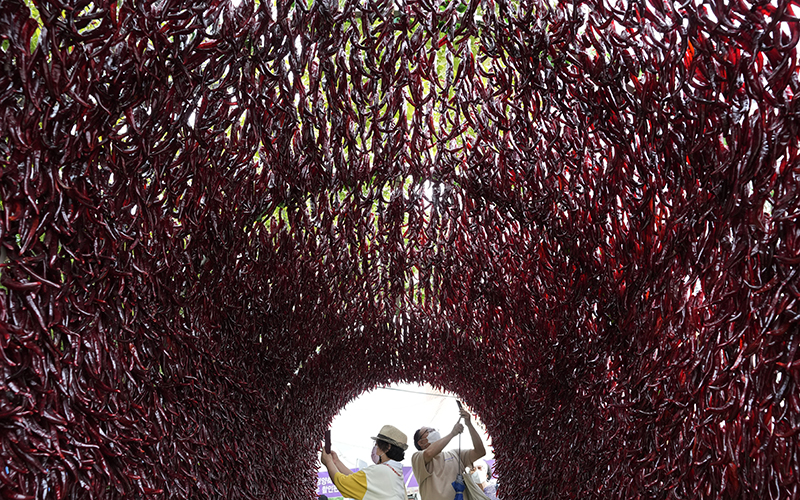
(339, 465)
(437, 446)
(478, 450)
(333, 464)
(329, 463)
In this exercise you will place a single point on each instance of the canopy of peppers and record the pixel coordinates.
(223, 220)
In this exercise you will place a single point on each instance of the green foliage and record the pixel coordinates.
(36, 34)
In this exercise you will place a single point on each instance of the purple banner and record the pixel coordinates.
(325, 485)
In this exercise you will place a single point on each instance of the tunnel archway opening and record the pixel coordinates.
(408, 406)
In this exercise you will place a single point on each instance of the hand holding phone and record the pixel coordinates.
(463, 413)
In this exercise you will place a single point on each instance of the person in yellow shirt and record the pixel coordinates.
(382, 481)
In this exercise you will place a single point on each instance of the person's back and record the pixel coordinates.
(389, 482)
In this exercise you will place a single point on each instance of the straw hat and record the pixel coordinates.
(393, 435)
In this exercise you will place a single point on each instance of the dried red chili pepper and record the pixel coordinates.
(224, 220)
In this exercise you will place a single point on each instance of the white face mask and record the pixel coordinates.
(375, 457)
(433, 436)
(479, 477)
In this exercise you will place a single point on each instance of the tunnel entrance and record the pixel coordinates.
(407, 406)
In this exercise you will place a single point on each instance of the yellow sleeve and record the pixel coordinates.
(351, 485)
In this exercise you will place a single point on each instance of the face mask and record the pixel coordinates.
(375, 457)
(434, 436)
(478, 477)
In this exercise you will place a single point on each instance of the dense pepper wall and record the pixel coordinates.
(221, 222)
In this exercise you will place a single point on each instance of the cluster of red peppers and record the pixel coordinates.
(222, 220)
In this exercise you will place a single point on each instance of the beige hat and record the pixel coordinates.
(393, 435)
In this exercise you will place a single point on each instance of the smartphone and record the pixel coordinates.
(459, 405)
(328, 441)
